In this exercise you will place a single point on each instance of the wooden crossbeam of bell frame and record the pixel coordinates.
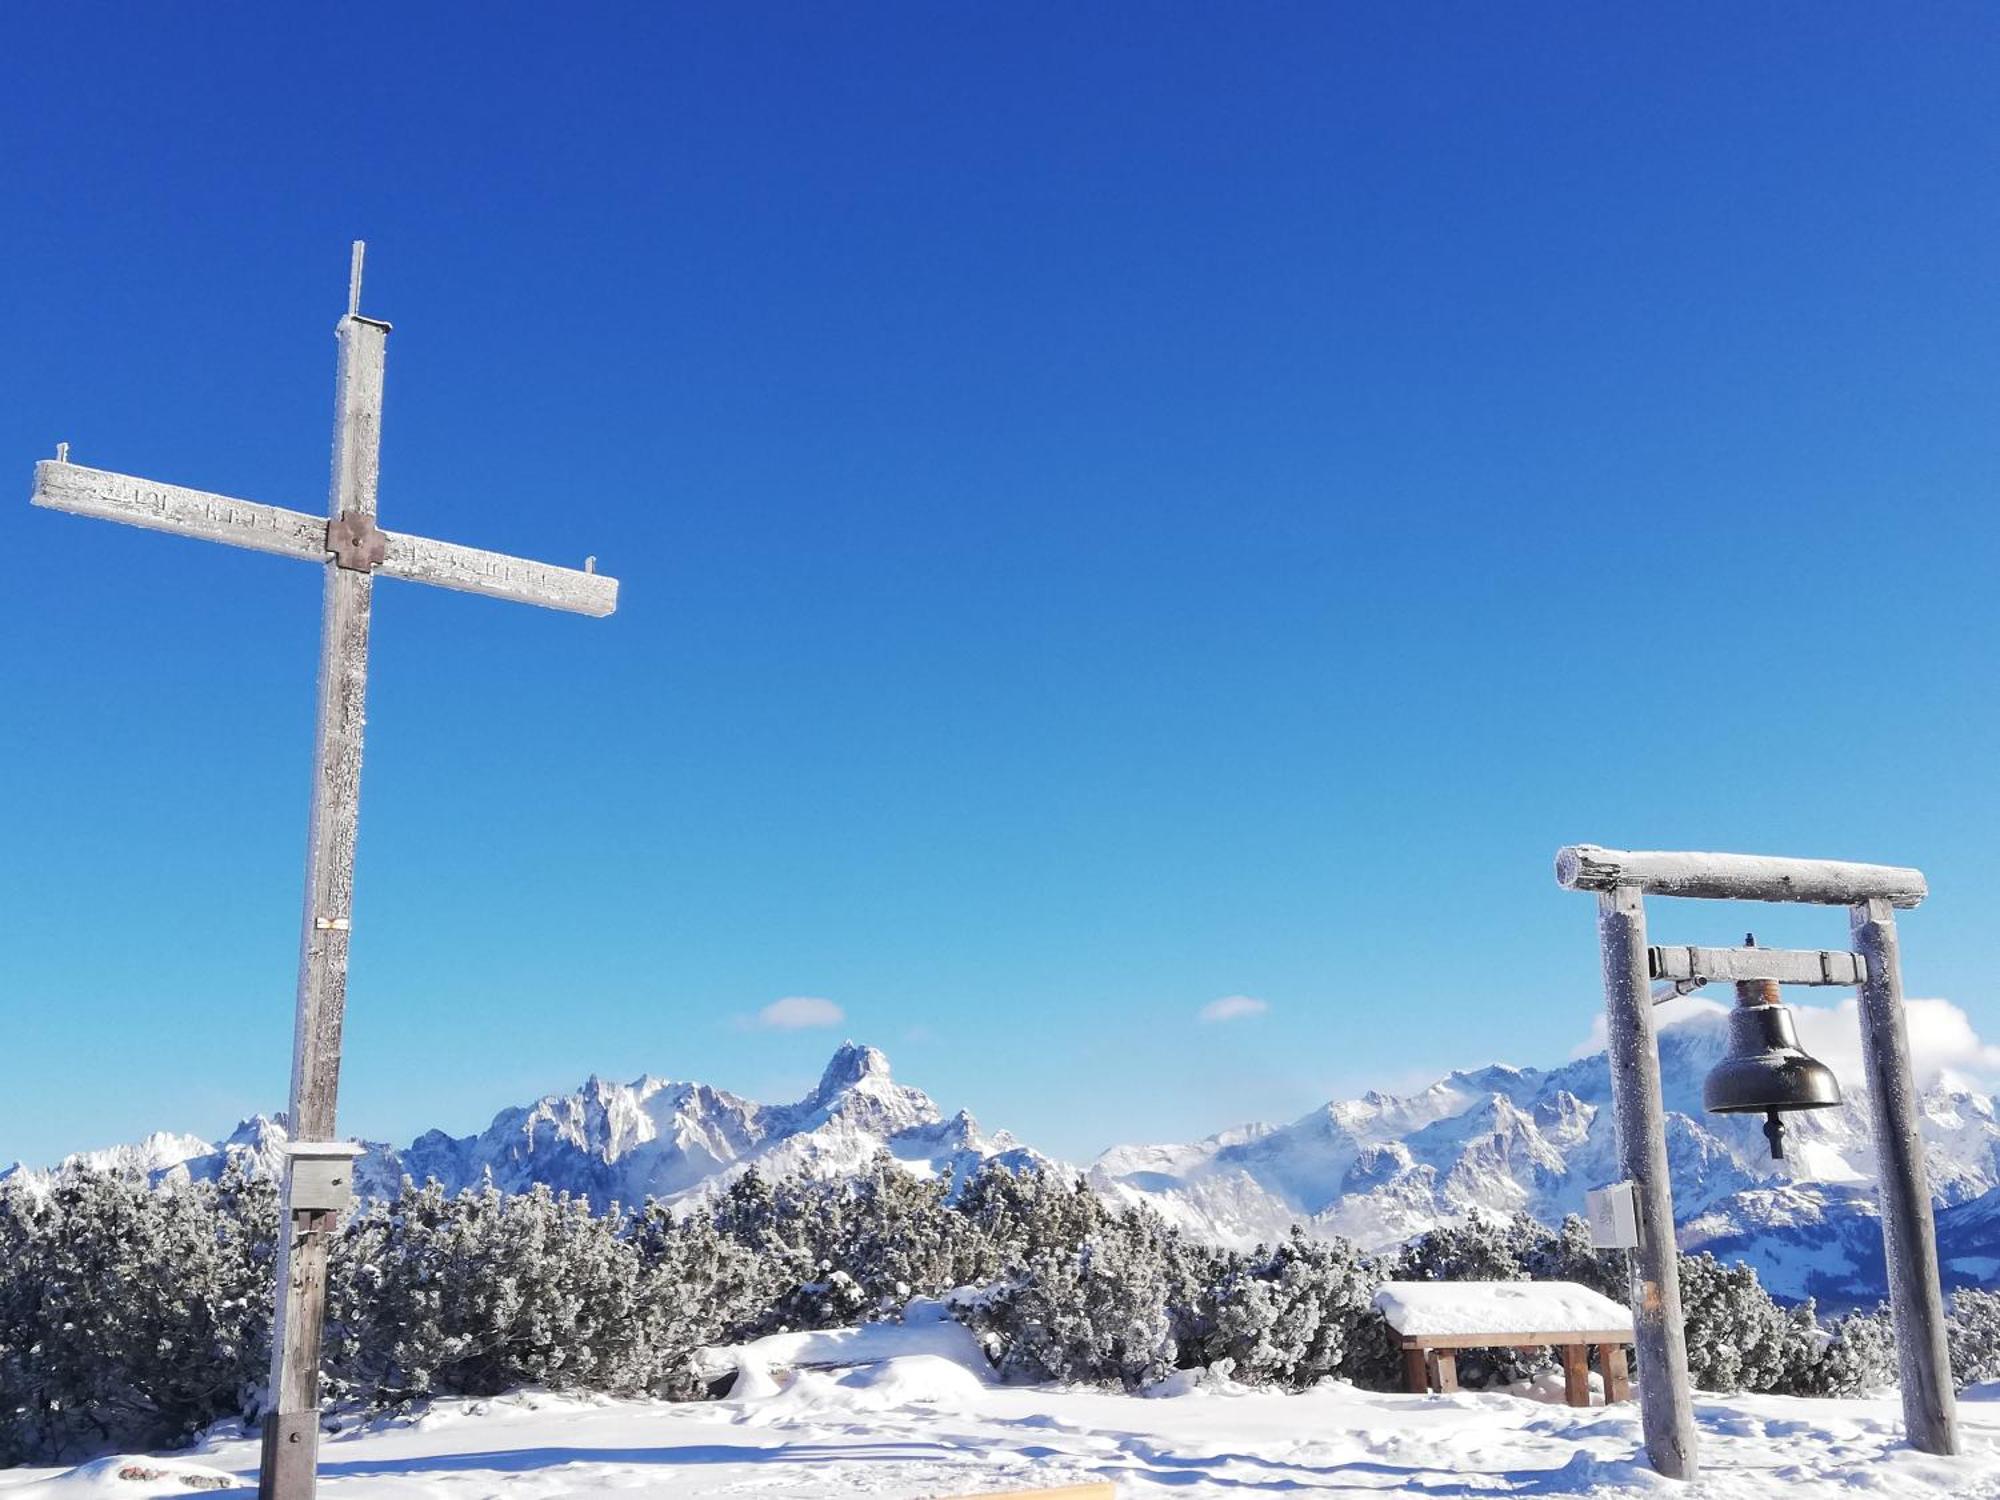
(1834, 966)
(1737, 877)
(1621, 880)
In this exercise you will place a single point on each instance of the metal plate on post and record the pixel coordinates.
(291, 1453)
(1614, 1217)
(322, 1175)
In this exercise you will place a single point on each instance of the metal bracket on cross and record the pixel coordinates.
(356, 542)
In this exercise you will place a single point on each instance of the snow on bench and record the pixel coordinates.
(1432, 1318)
(1511, 1311)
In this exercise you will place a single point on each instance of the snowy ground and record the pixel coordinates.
(930, 1424)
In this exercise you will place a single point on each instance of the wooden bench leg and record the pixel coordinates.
(1416, 1372)
(1447, 1371)
(1576, 1374)
(1616, 1386)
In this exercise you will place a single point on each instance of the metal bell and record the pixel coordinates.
(1766, 1071)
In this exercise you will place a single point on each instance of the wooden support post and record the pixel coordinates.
(1666, 1401)
(1576, 1373)
(1616, 1386)
(1416, 1370)
(1909, 1235)
(291, 1426)
(1447, 1370)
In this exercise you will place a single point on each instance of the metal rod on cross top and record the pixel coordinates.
(1622, 879)
(352, 549)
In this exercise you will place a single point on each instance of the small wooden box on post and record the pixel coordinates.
(1621, 880)
(352, 550)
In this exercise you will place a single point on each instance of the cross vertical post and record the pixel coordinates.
(291, 1425)
(1666, 1402)
(1909, 1232)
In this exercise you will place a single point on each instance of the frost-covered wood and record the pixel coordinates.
(291, 533)
(1786, 965)
(501, 577)
(1666, 1402)
(291, 1433)
(1737, 877)
(171, 507)
(1909, 1233)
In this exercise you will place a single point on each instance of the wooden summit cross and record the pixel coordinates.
(353, 550)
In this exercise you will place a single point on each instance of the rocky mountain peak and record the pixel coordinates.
(853, 1066)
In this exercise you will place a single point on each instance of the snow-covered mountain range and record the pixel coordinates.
(1381, 1168)
(1377, 1169)
(626, 1142)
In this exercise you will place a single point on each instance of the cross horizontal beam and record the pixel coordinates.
(168, 507)
(291, 533)
(1737, 877)
(1786, 965)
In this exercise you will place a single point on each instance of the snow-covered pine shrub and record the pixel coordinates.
(697, 1286)
(798, 1228)
(1973, 1329)
(1016, 1215)
(128, 1317)
(1738, 1338)
(1298, 1314)
(1482, 1248)
(903, 1239)
(844, 1251)
(474, 1293)
(1857, 1355)
(1102, 1309)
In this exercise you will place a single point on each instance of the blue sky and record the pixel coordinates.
(1119, 507)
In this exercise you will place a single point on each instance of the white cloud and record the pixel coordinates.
(1942, 1041)
(798, 1013)
(1232, 1008)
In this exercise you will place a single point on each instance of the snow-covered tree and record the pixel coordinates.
(1856, 1355)
(1738, 1337)
(697, 1286)
(481, 1291)
(1482, 1248)
(1974, 1333)
(1099, 1309)
(1299, 1314)
(128, 1316)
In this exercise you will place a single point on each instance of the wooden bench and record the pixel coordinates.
(1432, 1319)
